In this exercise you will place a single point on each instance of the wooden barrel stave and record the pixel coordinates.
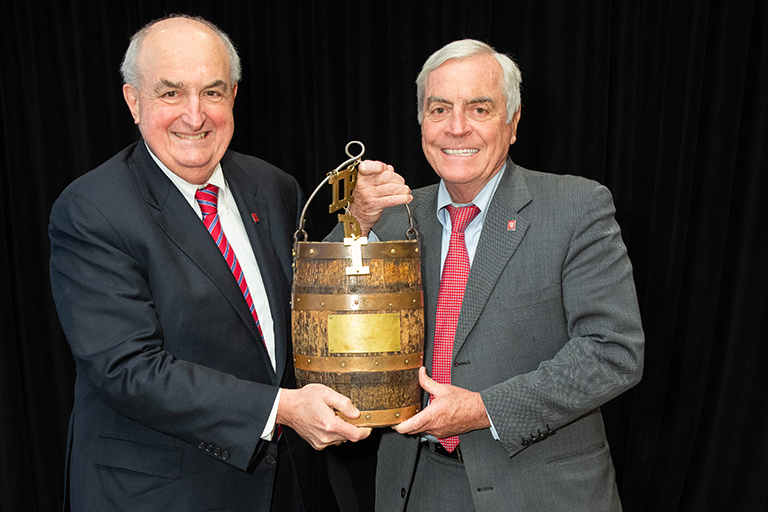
(385, 397)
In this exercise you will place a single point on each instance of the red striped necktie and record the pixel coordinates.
(208, 199)
(452, 284)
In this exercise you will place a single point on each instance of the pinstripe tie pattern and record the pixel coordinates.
(452, 284)
(208, 199)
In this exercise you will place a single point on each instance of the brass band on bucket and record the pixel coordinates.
(382, 417)
(360, 302)
(373, 250)
(343, 364)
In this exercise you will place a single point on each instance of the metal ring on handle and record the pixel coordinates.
(410, 233)
(328, 177)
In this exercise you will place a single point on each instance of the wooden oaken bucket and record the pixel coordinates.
(358, 318)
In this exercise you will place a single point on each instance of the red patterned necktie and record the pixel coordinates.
(452, 284)
(208, 199)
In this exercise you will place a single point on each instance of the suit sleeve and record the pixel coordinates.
(603, 355)
(110, 317)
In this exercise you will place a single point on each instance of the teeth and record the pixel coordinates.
(460, 152)
(191, 137)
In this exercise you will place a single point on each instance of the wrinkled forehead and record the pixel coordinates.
(466, 78)
(181, 45)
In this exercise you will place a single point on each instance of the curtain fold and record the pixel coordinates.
(664, 102)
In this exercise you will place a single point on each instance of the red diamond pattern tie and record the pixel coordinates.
(208, 199)
(452, 284)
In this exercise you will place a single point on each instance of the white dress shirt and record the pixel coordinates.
(474, 228)
(471, 233)
(232, 224)
(471, 236)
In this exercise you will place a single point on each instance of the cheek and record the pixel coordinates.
(157, 120)
(428, 135)
(221, 114)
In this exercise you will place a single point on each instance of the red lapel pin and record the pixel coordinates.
(255, 218)
(511, 225)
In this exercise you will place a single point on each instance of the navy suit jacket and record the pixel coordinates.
(174, 385)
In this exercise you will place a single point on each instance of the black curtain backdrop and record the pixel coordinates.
(663, 101)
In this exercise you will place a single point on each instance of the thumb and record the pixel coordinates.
(427, 384)
(346, 407)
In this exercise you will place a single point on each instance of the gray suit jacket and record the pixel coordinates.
(174, 384)
(548, 331)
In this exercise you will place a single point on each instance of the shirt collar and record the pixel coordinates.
(187, 189)
(481, 200)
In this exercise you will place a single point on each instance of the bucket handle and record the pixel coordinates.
(352, 161)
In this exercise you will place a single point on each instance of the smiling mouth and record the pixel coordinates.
(191, 137)
(460, 152)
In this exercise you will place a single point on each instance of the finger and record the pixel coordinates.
(410, 426)
(339, 402)
(415, 423)
(404, 427)
(347, 408)
(385, 200)
(390, 176)
(363, 432)
(373, 174)
(427, 384)
(350, 432)
(370, 167)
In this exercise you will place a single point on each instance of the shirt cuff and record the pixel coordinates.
(269, 428)
(493, 429)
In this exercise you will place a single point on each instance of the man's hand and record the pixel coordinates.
(453, 411)
(310, 411)
(378, 187)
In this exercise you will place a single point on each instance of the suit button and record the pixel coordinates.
(201, 445)
(217, 451)
(209, 448)
(270, 459)
(402, 492)
(224, 455)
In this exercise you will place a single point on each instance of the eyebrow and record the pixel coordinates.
(480, 99)
(217, 84)
(164, 82)
(437, 99)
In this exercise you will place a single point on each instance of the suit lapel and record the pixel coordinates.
(180, 223)
(255, 211)
(498, 242)
(430, 237)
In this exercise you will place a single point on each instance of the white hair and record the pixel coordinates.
(511, 76)
(129, 68)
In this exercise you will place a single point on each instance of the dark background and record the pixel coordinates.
(663, 101)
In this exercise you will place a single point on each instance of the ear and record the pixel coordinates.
(515, 120)
(131, 97)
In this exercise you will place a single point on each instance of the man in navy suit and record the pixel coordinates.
(183, 396)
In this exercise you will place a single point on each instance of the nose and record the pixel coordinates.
(194, 113)
(458, 124)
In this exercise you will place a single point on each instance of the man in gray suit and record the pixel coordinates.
(548, 328)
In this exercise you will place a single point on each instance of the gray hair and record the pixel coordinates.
(511, 76)
(129, 67)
